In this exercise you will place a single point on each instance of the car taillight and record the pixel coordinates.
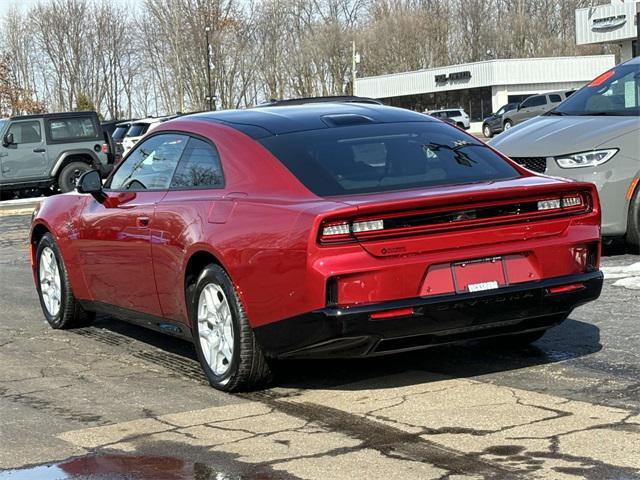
(105, 148)
(568, 202)
(335, 232)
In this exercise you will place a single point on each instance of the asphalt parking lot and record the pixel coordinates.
(117, 398)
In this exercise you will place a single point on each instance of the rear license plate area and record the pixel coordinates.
(479, 275)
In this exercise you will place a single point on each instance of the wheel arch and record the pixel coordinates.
(197, 261)
(38, 231)
(79, 155)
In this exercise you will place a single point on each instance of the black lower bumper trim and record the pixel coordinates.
(350, 332)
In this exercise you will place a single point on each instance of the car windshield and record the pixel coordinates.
(614, 93)
(381, 157)
(119, 132)
(137, 129)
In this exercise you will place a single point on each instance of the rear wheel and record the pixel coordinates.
(632, 236)
(60, 307)
(70, 174)
(227, 349)
(486, 131)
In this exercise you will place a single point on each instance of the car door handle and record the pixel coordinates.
(39, 150)
(142, 221)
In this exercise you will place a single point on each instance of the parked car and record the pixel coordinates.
(118, 135)
(50, 151)
(326, 230)
(455, 115)
(532, 107)
(493, 123)
(139, 129)
(593, 136)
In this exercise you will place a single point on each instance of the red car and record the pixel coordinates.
(326, 230)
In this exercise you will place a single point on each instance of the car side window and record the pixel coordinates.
(555, 98)
(26, 132)
(151, 165)
(199, 167)
(536, 101)
(63, 129)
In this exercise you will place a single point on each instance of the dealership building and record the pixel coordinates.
(483, 87)
(616, 23)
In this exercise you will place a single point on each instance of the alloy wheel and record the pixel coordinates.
(215, 328)
(50, 281)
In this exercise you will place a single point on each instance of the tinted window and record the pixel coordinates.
(453, 113)
(381, 157)
(26, 132)
(555, 98)
(151, 165)
(137, 129)
(616, 92)
(72, 129)
(119, 132)
(199, 167)
(536, 101)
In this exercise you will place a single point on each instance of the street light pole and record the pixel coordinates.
(353, 68)
(210, 93)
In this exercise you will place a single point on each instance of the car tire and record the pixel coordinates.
(507, 125)
(486, 131)
(60, 307)
(226, 346)
(70, 174)
(632, 237)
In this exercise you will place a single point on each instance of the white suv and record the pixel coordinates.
(138, 129)
(457, 116)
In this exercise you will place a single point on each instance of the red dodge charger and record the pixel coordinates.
(317, 230)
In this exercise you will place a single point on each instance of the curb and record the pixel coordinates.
(21, 204)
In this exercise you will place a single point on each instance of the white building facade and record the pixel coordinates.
(616, 23)
(483, 87)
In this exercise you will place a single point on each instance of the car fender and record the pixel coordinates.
(64, 159)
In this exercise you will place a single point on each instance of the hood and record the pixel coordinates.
(548, 136)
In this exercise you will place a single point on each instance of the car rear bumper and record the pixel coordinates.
(436, 320)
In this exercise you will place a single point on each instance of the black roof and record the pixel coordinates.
(267, 121)
(55, 115)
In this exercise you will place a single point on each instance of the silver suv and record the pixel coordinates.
(593, 136)
(49, 152)
(532, 107)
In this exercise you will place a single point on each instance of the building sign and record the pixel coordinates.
(608, 23)
(453, 76)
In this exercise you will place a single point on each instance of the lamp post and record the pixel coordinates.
(210, 93)
(355, 60)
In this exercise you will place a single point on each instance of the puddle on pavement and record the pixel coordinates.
(112, 467)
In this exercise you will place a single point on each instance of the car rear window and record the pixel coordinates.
(64, 129)
(119, 132)
(555, 98)
(382, 157)
(137, 129)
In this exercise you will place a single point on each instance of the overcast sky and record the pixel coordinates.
(5, 5)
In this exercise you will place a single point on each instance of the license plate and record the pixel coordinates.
(479, 287)
(479, 275)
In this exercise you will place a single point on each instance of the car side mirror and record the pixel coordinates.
(8, 139)
(519, 106)
(91, 182)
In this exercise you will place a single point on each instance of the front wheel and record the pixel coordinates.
(486, 131)
(60, 307)
(70, 174)
(227, 349)
(508, 124)
(632, 236)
